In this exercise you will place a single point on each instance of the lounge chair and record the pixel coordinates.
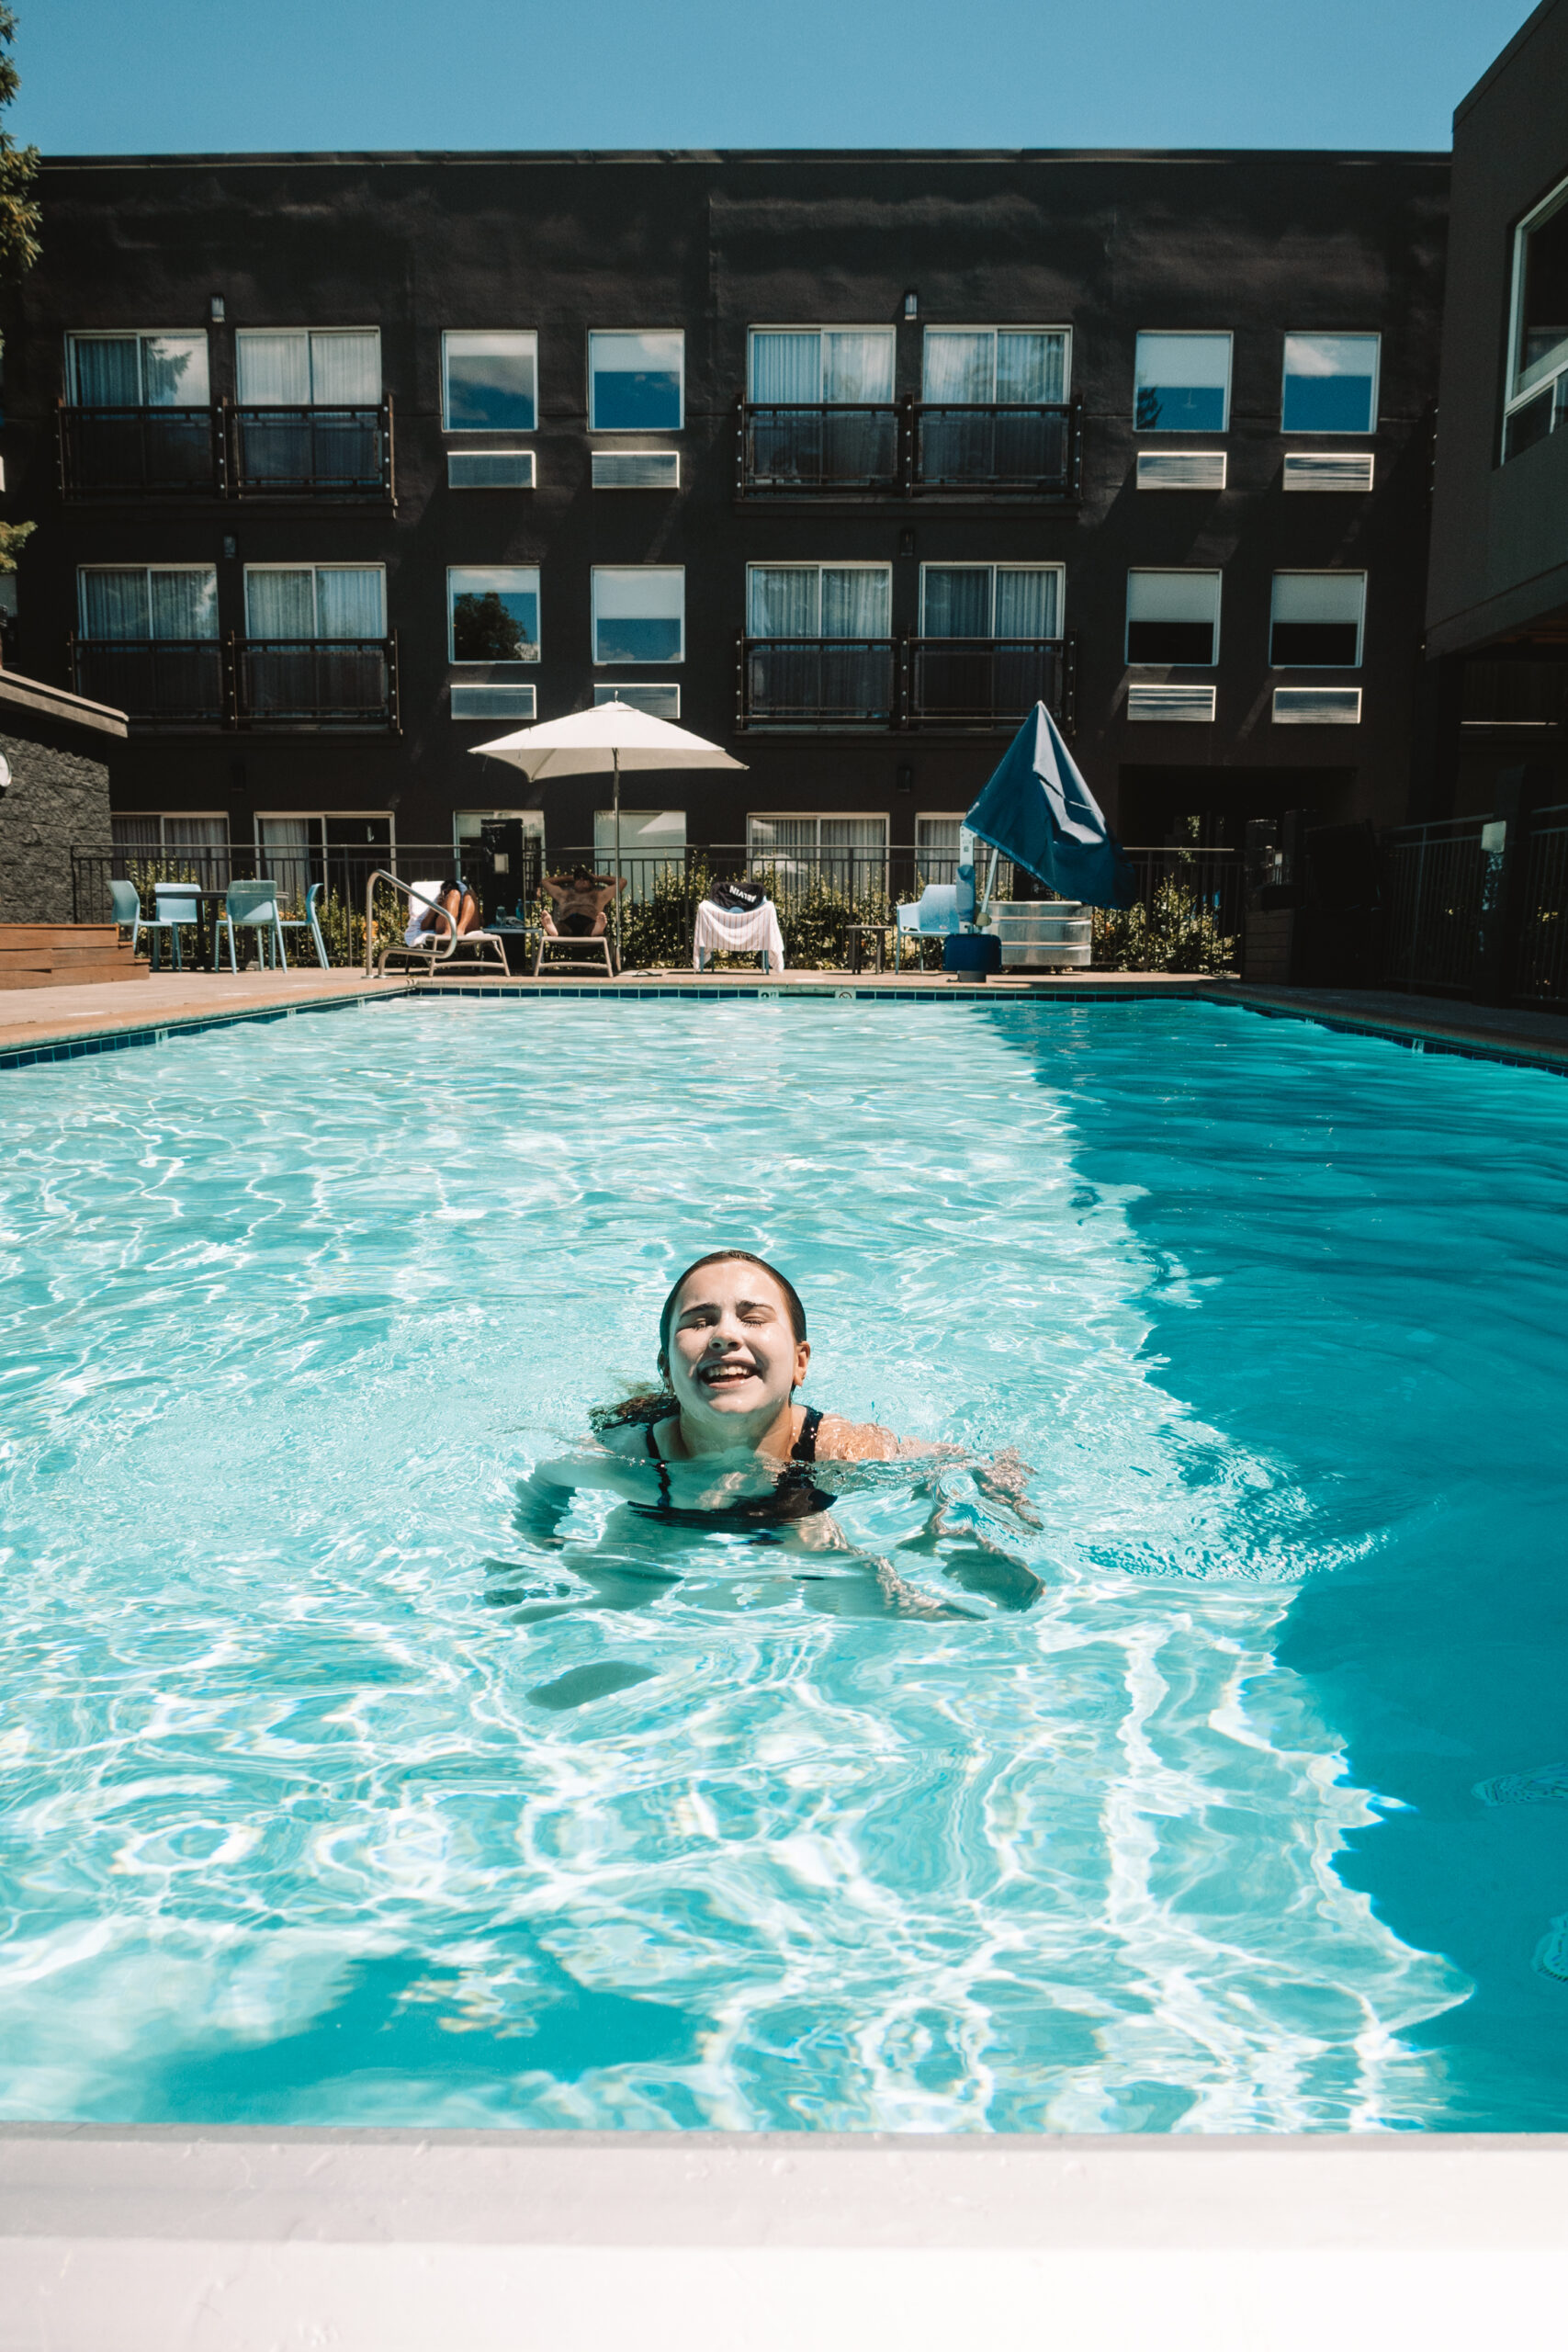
(579, 949)
(427, 949)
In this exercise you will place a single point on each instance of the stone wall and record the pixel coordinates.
(57, 799)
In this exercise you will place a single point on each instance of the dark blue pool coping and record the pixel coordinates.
(1418, 1035)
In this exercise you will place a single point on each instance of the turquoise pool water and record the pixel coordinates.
(346, 1779)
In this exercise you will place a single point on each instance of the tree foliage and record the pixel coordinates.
(19, 214)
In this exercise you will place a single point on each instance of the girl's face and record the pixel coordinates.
(732, 1352)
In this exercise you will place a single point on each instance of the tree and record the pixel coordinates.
(19, 222)
(484, 630)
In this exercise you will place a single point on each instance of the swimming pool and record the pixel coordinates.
(342, 1783)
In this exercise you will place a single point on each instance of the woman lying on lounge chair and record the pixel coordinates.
(582, 901)
(454, 900)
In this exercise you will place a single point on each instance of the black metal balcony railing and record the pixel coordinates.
(141, 452)
(986, 682)
(931, 683)
(179, 681)
(349, 683)
(226, 452)
(911, 449)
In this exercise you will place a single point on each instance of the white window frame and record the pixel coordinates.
(315, 570)
(528, 334)
(791, 563)
(216, 639)
(325, 817)
(140, 335)
(641, 660)
(820, 327)
(1142, 335)
(498, 661)
(1517, 396)
(1214, 571)
(1333, 433)
(994, 328)
(963, 564)
(680, 424)
(817, 817)
(161, 818)
(1319, 571)
(243, 334)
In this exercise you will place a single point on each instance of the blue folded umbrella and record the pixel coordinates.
(1038, 810)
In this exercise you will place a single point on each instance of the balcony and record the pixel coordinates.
(976, 684)
(818, 682)
(312, 683)
(915, 449)
(320, 453)
(938, 684)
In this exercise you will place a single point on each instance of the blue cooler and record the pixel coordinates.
(970, 954)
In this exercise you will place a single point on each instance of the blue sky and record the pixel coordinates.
(131, 76)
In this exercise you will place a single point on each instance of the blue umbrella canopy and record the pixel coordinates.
(1038, 810)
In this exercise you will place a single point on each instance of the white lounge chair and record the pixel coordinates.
(428, 949)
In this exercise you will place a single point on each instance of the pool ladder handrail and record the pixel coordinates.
(441, 954)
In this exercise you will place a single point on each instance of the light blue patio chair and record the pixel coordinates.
(126, 900)
(252, 906)
(309, 920)
(176, 903)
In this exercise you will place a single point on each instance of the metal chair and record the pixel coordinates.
(252, 906)
(178, 903)
(579, 950)
(126, 900)
(309, 920)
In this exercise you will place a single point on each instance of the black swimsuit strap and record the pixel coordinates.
(805, 1446)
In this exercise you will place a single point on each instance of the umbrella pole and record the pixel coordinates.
(615, 755)
(990, 885)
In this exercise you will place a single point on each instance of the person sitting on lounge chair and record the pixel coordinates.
(581, 902)
(452, 899)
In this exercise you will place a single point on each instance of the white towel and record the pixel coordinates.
(748, 929)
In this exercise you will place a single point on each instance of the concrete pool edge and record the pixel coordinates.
(133, 2239)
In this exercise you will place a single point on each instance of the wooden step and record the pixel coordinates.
(59, 935)
(73, 975)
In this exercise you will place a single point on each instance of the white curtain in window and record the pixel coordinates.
(345, 368)
(960, 363)
(173, 370)
(351, 601)
(183, 604)
(114, 604)
(787, 365)
(861, 834)
(134, 836)
(937, 836)
(186, 835)
(107, 370)
(784, 600)
(279, 603)
(857, 364)
(274, 370)
(857, 600)
(767, 836)
(1027, 601)
(957, 600)
(1031, 366)
(1320, 597)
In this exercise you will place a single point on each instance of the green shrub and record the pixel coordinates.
(1175, 933)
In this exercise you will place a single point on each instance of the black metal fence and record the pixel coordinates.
(1479, 902)
(244, 682)
(226, 452)
(344, 872)
(934, 684)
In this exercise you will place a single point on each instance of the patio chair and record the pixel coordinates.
(309, 920)
(178, 903)
(126, 900)
(941, 908)
(421, 948)
(579, 950)
(252, 906)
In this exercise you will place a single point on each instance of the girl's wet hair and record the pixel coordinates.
(655, 1403)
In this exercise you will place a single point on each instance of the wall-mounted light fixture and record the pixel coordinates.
(906, 543)
(215, 309)
(912, 304)
(905, 779)
(231, 546)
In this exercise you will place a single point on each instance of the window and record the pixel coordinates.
(493, 612)
(1538, 370)
(1183, 383)
(182, 834)
(489, 380)
(1013, 365)
(1316, 620)
(636, 380)
(297, 602)
(1331, 384)
(1173, 617)
(141, 602)
(300, 368)
(815, 600)
(639, 613)
(296, 850)
(849, 852)
(659, 701)
(653, 844)
(991, 600)
(834, 366)
(490, 469)
(516, 703)
(138, 370)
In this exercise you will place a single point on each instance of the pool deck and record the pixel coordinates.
(54, 1024)
(274, 2240)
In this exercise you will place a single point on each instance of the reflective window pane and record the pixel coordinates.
(1173, 617)
(639, 613)
(490, 381)
(1315, 619)
(493, 612)
(1330, 383)
(636, 381)
(1183, 383)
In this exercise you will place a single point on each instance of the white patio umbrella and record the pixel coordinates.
(605, 740)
